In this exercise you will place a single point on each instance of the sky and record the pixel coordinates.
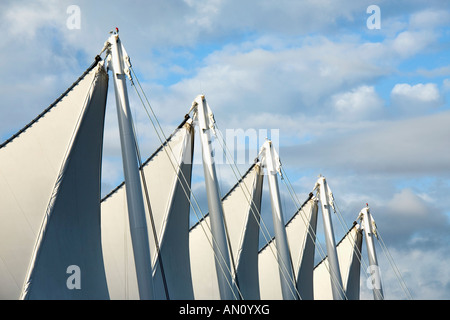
(360, 98)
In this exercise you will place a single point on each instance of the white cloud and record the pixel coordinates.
(417, 98)
(412, 147)
(423, 92)
(359, 103)
(429, 18)
(206, 12)
(424, 278)
(409, 43)
(436, 72)
(23, 20)
(446, 85)
(407, 204)
(291, 80)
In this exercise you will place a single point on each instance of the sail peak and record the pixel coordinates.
(54, 218)
(45, 167)
(52, 105)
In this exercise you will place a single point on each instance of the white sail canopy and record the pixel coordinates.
(60, 240)
(349, 256)
(301, 246)
(241, 208)
(50, 198)
(167, 182)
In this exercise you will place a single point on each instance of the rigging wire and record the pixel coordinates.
(233, 264)
(293, 196)
(257, 216)
(179, 179)
(312, 232)
(125, 248)
(394, 267)
(388, 256)
(203, 216)
(296, 201)
(150, 212)
(355, 248)
(345, 227)
(43, 227)
(318, 245)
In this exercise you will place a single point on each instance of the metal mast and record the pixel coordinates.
(271, 161)
(220, 245)
(136, 210)
(370, 230)
(326, 200)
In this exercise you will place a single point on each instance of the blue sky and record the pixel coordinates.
(368, 109)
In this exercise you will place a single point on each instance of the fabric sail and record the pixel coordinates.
(241, 207)
(50, 198)
(60, 240)
(167, 176)
(349, 257)
(300, 232)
